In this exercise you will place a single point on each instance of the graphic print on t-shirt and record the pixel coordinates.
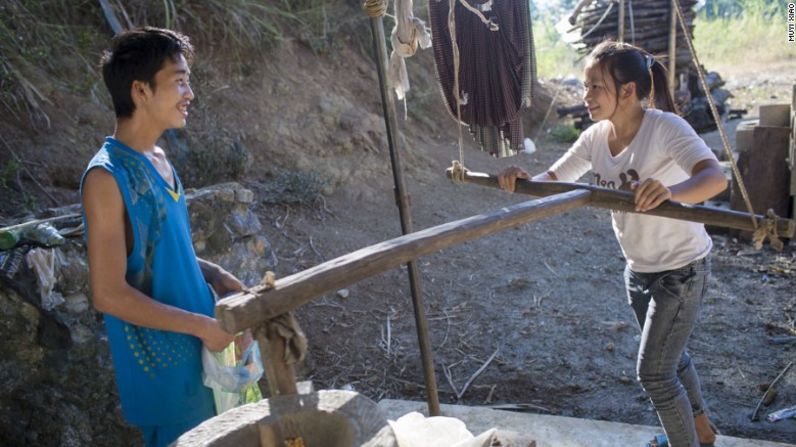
(625, 177)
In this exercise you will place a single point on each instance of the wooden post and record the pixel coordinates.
(673, 50)
(248, 309)
(405, 213)
(281, 377)
(792, 154)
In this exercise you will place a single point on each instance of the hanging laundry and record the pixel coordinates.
(497, 67)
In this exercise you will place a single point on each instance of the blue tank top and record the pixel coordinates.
(158, 373)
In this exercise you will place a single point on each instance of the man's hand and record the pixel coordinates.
(225, 283)
(213, 337)
(507, 178)
(222, 281)
(649, 194)
(242, 343)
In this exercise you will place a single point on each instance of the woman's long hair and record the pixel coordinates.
(627, 63)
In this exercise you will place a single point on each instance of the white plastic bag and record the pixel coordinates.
(415, 430)
(45, 262)
(234, 382)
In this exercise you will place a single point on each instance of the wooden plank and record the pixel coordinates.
(792, 154)
(248, 309)
(623, 201)
(765, 172)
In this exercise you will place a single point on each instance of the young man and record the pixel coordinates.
(145, 276)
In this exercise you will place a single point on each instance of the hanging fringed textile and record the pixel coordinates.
(497, 68)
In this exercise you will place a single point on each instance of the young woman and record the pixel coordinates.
(638, 143)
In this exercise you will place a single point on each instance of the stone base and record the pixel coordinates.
(327, 418)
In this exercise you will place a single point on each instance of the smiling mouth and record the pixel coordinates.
(183, 108)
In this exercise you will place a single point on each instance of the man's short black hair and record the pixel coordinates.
(137, 55)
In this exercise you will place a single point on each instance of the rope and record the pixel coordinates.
(457, 172)
(488, 22)
(760, 232)
(768, 229)
(375, 8)
(455, 48)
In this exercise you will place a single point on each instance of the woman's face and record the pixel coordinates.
(599, 93)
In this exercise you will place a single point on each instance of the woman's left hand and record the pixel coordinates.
(649, 194)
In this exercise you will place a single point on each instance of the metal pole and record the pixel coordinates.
(621, 27)
(404, 209)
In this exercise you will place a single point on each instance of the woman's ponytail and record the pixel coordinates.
(660, 95)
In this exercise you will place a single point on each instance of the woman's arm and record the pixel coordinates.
(706, 181)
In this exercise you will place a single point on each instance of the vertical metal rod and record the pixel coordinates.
(388, 106)
(672, 50)
(621, 25)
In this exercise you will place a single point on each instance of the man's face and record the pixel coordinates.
(166, 105)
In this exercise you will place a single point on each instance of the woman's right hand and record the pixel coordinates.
(507, 178)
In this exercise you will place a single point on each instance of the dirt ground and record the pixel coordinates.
(547, 298)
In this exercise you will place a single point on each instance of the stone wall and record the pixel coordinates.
(57, 385)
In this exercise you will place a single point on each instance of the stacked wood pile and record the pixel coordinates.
(647, 25)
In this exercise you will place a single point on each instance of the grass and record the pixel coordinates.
(42, 43)
(752, 37)
(554, 58)
(750, 34)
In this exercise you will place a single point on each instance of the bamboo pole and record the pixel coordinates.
(623, 201)
(673, 50)
(249, 309)
(405, 213)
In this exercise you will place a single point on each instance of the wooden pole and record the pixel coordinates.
(248, 309)
(405, 213)
(673, 49)
(623, 201)
(280, 376)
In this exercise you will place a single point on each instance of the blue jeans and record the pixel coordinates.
(666, 305)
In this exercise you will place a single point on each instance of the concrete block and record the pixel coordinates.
(552, 431)
(743, 135)
(775, 115)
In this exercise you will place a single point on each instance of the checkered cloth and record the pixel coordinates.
(497, 69)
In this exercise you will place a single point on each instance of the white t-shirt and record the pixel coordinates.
(665, 148)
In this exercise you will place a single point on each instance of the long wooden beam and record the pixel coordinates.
(248, 309)
(623, 201)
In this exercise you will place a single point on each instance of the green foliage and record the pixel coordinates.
(740, 33)
(554, 58)
(42, 44)
(8, 171)
(565, 133)
(714, 9)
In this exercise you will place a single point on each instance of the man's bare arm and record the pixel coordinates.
(107, 256)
